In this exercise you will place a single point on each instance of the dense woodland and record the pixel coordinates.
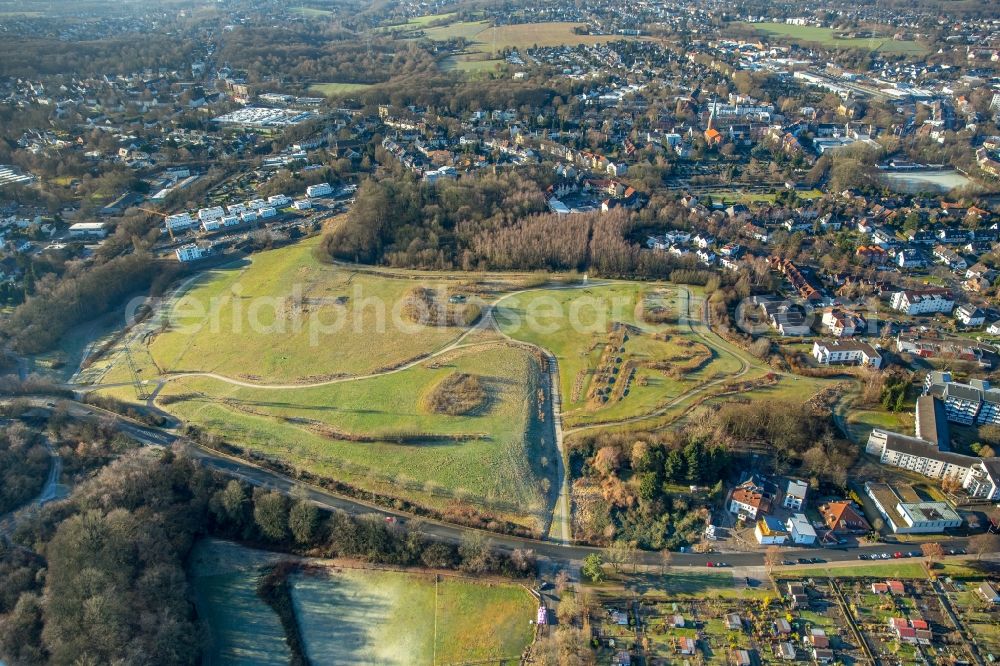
(61, 302)
(24, 464)
(486, 222)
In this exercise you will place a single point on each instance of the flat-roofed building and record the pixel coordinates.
(88, 230)
(906, 513)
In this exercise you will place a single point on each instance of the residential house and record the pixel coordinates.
(800, 529)
(843, 323)
(795, 494)
(190, 252)
(770, 531)
(843, 516)
(947, 256)
(750, 498)
(846, 352)
(970, 316)
(911, 259)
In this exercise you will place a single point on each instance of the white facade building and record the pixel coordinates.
(923, 301)
(848, 351)
(212, 213)
(319, 190)
(795, 494)
(800, 529)
(189, 252)
(770, 531)
(178, 221)
(88, 230)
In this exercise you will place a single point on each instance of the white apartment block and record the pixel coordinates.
(844, 352)
(322, 189)
(189, 252)
(923, 301)
(178, 221)
(211, 213)
(918, 456)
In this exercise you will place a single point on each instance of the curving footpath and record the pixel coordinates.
(560, 530)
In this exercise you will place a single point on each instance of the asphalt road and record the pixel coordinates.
(556, 552)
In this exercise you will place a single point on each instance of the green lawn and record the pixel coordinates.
(387, 617)
(459, 29)
(328, 89)
(417, 22)
(284, 317)
(827, 37)
(862, 422)
(742, 196)
(491, 456)
(312, 12)
(888, 568)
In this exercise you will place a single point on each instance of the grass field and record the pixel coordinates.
(741, 196)
(574, 325)
(826, 37)
(861, 422)
(416, 22)
(242, 628)
(328, 89)
(356, 616)
(312, 12)
(493, 455)
(386, 617)
(892, 568)
(284, 317)
(487, 39)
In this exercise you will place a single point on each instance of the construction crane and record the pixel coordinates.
(161, 214)
(133, 369)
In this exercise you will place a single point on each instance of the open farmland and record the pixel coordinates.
(827, 37)
(613, 364)
(362, 616)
